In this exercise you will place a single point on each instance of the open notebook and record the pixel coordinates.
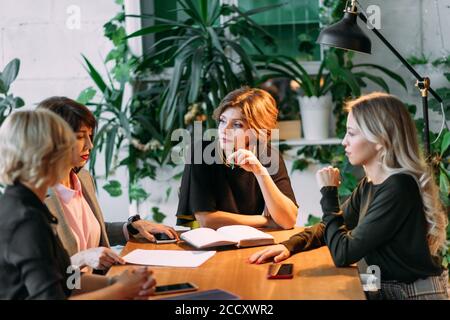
(241, 236)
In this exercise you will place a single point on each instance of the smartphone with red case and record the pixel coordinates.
(281, 271)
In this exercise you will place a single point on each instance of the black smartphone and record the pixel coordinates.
(176, 287)
(280, 271)
(163, 238)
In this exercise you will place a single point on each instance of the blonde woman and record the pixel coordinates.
(394, 219)
(239, 189)
(36, 147)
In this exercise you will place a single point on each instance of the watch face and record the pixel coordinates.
(132, 229)
(134, 218)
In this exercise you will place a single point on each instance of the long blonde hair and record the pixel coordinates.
(35, 147)
(385, 120)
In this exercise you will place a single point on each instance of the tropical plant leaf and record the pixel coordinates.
(215, 39)
(192, 11)
(196, 70)
(158, 216)
(86, 95)
(245, 60)
(444, 184)
(3, 88)
(137, 193)
(18, 102)
(447, 75)
(151, 30)
(312, 220)
(9, 74)
(445, 143)
(300, 164)
(213, 12)
(114, 188)
(110, 143)
(350, 80)
(388, 72)
(95, 76)
(378, 80)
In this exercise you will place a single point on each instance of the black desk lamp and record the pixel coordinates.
(346, 34)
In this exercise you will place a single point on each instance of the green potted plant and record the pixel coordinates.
(204, 54)
(336, 73)
(8, 102)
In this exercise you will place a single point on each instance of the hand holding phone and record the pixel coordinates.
(163, 238)
(281, 271)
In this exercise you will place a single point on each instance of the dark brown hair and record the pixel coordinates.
(73, 112)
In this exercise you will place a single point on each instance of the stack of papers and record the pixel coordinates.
(168, 258)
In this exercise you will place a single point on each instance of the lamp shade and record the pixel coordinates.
(346, 34)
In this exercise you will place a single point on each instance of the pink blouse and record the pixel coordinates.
(79, 215)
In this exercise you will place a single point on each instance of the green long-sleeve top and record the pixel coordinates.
(384, 224)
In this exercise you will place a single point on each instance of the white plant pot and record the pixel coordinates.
(316, 113)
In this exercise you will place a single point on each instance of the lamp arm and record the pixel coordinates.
(363, 17)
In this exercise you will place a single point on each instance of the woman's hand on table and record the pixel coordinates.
(137, 283)
(147, 230)
(278, 252)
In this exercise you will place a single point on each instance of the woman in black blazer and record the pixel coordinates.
(35, 148)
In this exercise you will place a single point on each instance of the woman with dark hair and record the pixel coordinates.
(82, 229)
(394, 218)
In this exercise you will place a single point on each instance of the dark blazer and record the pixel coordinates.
(111, 232)
(33, 262)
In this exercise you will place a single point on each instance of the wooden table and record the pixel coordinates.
(315, 276)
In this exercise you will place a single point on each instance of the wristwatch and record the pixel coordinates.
(132, 230)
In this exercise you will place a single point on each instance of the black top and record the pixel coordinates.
(217, 187)
(384, 224)
(33, 262)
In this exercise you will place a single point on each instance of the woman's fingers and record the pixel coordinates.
(254, 257)
(105, 258)
(265, 256)
(147, 235)
(115, 256)
(105, 265)
(328, 176)
(171, 233)
(282, 256)
(150, 283)
(242, 158)
(262, 255)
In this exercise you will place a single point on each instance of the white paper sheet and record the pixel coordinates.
(168, 258)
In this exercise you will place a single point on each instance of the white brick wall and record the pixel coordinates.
(35, 32)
